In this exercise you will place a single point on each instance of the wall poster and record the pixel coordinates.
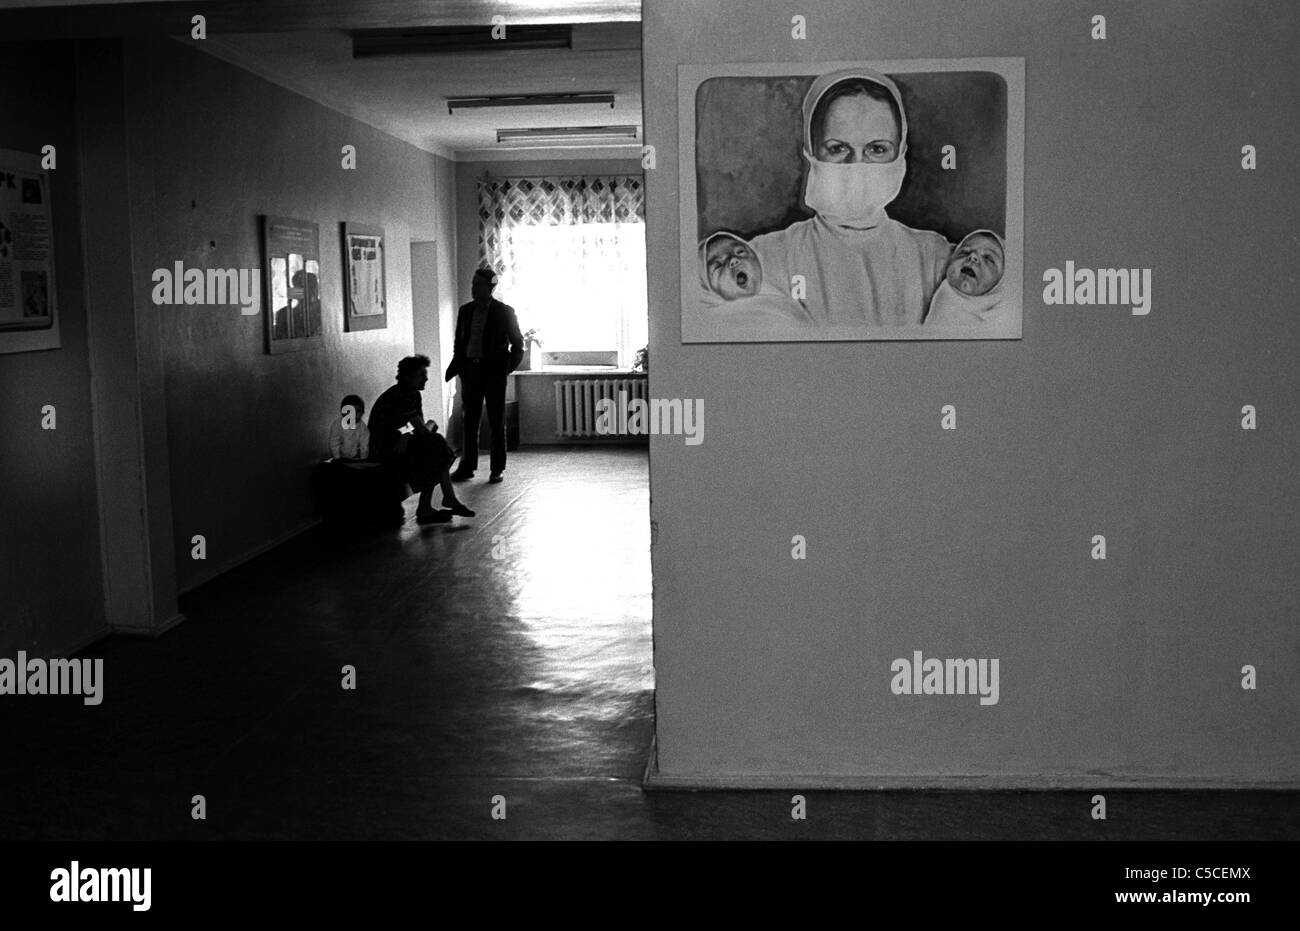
(363, 268)
(852, 200)
(291, 258)
(28, 318)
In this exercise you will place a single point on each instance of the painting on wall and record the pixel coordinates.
(291, 257)
(852, 200)
(363, 269)
(28, 318)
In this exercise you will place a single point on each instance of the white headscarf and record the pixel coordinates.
(826, 81)
(851, 194)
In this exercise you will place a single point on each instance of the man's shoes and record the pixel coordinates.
(440, 516)
(459, 508)
(462, 475)
(495, 478)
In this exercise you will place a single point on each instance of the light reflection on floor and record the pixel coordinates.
(527, 674)
(580, 562)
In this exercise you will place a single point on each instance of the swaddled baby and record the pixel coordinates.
(971, 293)
(734, 289)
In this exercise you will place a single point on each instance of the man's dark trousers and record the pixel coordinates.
(482, 382)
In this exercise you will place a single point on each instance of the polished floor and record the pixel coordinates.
(508, 655)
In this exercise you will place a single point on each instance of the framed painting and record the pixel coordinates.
(365, 301)
(291, 258)
(852, 200)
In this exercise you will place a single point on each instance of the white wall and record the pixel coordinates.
(220, 147)
(975, 543)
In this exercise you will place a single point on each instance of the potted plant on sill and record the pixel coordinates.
(530, 340)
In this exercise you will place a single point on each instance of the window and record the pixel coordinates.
(571, 257)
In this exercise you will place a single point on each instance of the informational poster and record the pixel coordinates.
(28, 320)
(852, 200)
(293, 305)
(363, 265)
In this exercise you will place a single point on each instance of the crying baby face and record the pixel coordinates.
(731, 268)
(976, 265)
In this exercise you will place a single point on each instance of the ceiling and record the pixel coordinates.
(306, 46)
(280, 14)
(405, 95)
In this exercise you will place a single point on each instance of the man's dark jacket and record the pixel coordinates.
(503, 344)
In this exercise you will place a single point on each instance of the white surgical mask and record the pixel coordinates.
(855, 193)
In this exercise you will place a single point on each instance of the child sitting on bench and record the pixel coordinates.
(349, 435)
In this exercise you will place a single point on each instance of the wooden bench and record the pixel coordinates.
(359, 493)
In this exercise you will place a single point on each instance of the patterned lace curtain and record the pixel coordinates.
(570, 252)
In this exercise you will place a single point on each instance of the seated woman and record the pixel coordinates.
(422, 457)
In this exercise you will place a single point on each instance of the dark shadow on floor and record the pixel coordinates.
(505, 655)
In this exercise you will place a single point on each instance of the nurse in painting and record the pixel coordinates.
(861, 267)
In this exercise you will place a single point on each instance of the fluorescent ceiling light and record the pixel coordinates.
(371, 43)
(568, 135)
(528, 100)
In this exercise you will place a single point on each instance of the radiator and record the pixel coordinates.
(575, 401)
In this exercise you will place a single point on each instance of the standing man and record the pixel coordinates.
(488, 348)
